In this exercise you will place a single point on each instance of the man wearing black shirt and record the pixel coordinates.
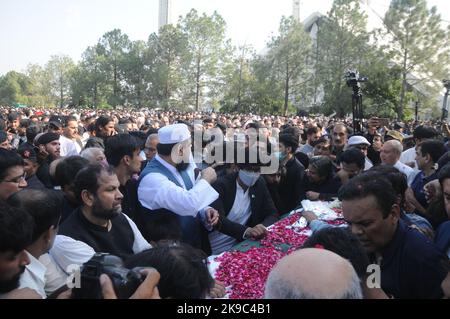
(292, 184)
(410, 264)
(99, 222)
(49, 150)
(65, 174)
(122, 153)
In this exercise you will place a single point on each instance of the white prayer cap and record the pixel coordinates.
(357, 140)
(172, 134)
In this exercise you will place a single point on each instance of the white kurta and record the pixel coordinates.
(156, 191)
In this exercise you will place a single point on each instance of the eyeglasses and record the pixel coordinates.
(322, 148)
(17, 180)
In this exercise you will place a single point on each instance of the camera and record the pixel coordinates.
(446, 84)
(353, 78)
(125, 281)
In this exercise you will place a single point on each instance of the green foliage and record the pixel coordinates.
(192, 65)
(15, 87)
(342, 44)
(206, 56)
(289, 58)
(58, 73)
(418, 44)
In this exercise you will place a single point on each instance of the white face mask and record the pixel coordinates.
(248, 178)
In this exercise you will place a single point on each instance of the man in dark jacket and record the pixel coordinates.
(292, 184)
(245, 207)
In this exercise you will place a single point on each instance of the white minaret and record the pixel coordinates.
(165, 13)
(296, 10)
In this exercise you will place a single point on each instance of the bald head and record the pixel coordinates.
(390, 152)
(313, 274)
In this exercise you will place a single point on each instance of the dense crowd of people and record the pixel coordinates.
(162, 190)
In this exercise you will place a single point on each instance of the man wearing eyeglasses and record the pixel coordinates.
(12, 177)
(150, 146)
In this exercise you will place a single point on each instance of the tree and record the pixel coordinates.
(89, 83)
(290, 58)
(41, 89)
(168, 53)
(134, 72)
(59, 70)
(417, 43)
(207, 51)
(240, 82)
(342, 44)
(267, 90)
(113, 46)
(14, 88)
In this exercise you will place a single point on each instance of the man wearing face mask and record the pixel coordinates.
(169, 192)
(245, 207)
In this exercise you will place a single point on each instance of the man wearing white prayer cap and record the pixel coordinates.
(362, 144)
(170, 195)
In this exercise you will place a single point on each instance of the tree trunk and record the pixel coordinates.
(167, 86)
(115, 85)
(61, 91)
(95, 88)
(139, 92)
(286, 91)
(197, 89)
(95, 95)
(239, 86)
(404, 84)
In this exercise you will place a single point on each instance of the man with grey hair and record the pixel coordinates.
(94, 155)
(390, 155)
(150, 146)
(312, 273)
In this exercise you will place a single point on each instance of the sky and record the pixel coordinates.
(31, 31)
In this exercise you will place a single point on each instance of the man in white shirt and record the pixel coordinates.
(420, 134)
(70, 145)
(16, 229)
(390, 155)
(44, 206)
(245, 205)
(169, 189)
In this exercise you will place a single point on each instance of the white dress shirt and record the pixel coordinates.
(239, 213)
(408, 171)
(68, 147)
(367, 164)
(55, 277)
(157, 191)
(409, 156)
(34, 276)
